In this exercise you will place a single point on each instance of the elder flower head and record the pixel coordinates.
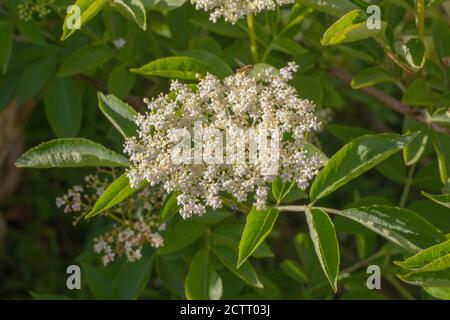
(246, 108)
(233, 10)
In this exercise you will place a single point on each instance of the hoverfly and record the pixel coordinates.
(245, 69)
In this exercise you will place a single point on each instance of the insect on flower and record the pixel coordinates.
(245, 69)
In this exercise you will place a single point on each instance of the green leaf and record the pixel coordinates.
(436, 214)
(170, 206)
(8, 86)
(185, 68)
(34, 78)
(133, 10)
(351, 27)
(415, 149)
(117, 191)
(392, 168)
(441, 37)
(400, 226)
(370, 77)
(6, 42)
(85, 59)
(434, 258)
(217, 66)
(289, 46)
(419, 93)
(323, 236)
(119, 113)
(181, 235)
(355, 158)
(335, 8)
(132, 278)
(294, 271)
(438, 293)
(70, 153)
(220, 27)
(202, 281)
(414, 53)
(428, 279)
(63, 107)
(443, 199)
(88, 9)
(244, 272)
(441, 117)
(258, 225)
(120, 81)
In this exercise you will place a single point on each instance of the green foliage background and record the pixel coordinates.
(392, 80)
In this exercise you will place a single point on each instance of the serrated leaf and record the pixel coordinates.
(88, 9)
(119, 113)
(323, 236)
(351, 27)
(132, 9)
(71, 153)
(258, 225)
(434, 258)
(244, 272)
(443, 199)
(185, 68)
(400, 226)
(63, 107)
(370, 77)
(115, 193)
(355, 158)
(202, 281)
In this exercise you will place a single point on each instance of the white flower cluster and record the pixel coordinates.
(139, 222)
(233, 10)
(239, 102)
(72, 201)
(77, 200)
(129, 240)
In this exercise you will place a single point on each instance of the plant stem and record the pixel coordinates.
(420, 8)
(252, 37)
(407, 186)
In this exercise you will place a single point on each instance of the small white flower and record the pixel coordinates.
(233, 10)
(119, 43)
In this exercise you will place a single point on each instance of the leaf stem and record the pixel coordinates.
(252, 37)
(407, 187)
(303, 208)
